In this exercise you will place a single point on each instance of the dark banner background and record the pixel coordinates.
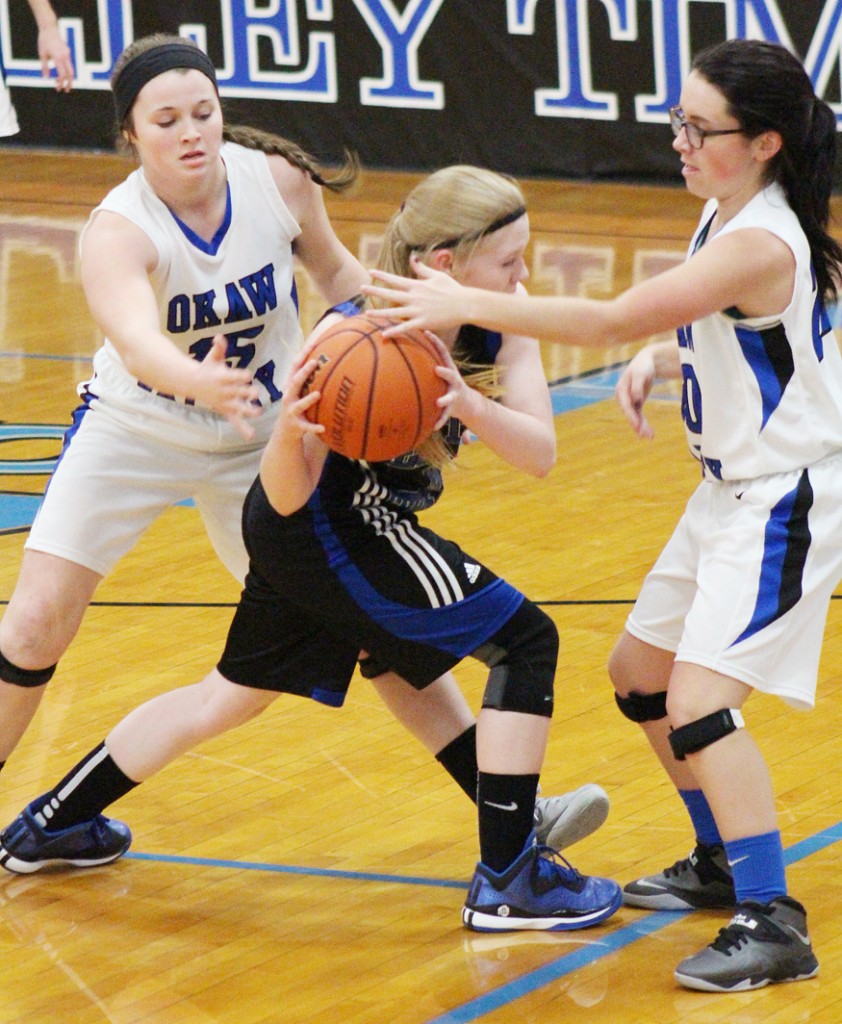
(489, 75)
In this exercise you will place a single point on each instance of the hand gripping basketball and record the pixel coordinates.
(378, 395)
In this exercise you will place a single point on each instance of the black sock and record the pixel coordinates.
(459, 760)
(93, 784)
(506, 817)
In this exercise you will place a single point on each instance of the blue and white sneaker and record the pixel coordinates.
(539, 891)
(26, 847)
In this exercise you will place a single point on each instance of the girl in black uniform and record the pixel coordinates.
(339, 561)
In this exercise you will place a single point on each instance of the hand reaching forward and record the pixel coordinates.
(432, 300)
(633, 389)
(227, 391)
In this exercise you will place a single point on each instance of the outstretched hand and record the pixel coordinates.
(432, 300)
(229, 392)
(633, 389)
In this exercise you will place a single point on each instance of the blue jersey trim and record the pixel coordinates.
(212, 247)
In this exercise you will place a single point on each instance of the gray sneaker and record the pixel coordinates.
(702, 881)
(763, 944)
(561, 821)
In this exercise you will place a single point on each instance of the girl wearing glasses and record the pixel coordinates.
(738, 599)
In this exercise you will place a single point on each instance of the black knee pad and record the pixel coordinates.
(695, 736)
(10, 673)
(522, 657)
(643, 707)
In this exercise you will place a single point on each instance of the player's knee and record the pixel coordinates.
(702, 732)
(522, 658)
(643, 707)
(26, 677)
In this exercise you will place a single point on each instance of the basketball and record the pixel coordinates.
(378, 395)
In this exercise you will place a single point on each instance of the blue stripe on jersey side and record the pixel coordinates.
(769, 356)
(821, 321)
(785, 548)
(458, 628)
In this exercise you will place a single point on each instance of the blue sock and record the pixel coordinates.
(701, 815)
(758, 866)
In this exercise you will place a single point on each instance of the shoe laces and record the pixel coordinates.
(732, 937)
(551, 869)
(699, 861)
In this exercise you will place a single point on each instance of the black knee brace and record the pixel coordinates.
(694, 736)
(522, 657)
(643, 707)
(10, 673)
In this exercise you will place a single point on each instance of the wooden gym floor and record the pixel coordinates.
(312, 864)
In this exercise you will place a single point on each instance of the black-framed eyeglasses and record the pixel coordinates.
(695, 135)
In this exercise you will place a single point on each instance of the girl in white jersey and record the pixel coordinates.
(737, 602)
(188, 267)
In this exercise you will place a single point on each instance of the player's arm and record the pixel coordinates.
(51, 45)
(519, 426)
(657, 361)
(292, 461)
(337, 274)
(751, 269)
(117, 258)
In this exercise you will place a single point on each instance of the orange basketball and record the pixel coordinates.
(378, 395)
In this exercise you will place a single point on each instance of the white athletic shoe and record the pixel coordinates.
(561, 821)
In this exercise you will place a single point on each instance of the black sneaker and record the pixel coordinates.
(763, 943)
(26, 847)
(702, 881)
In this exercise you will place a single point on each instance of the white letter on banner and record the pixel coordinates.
(825, 52)
(756, 19)
(671, 55)
(244, 24)
(114, 20)
(576, 96)
(399, 36)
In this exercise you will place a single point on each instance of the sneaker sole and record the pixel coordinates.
(584, 815)
(669, 901)
(28, 867)
(746, 985)
(479, 921)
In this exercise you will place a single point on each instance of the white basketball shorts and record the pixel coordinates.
(744, 584)
(110, 484)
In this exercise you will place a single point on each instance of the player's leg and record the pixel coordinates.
(441, 719)
(65, 825)
(641, 673)
(518, 884)
(273, 646)
(43, 615)
(114, 485)
(766, 939)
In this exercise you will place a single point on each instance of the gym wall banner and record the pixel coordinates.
(539, 88)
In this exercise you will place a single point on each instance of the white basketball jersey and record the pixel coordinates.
(239, 284)
(762, 395)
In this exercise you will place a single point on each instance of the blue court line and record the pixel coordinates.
(292, 869)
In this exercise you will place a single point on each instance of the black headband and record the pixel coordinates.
(151, 63)
(475, 236)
